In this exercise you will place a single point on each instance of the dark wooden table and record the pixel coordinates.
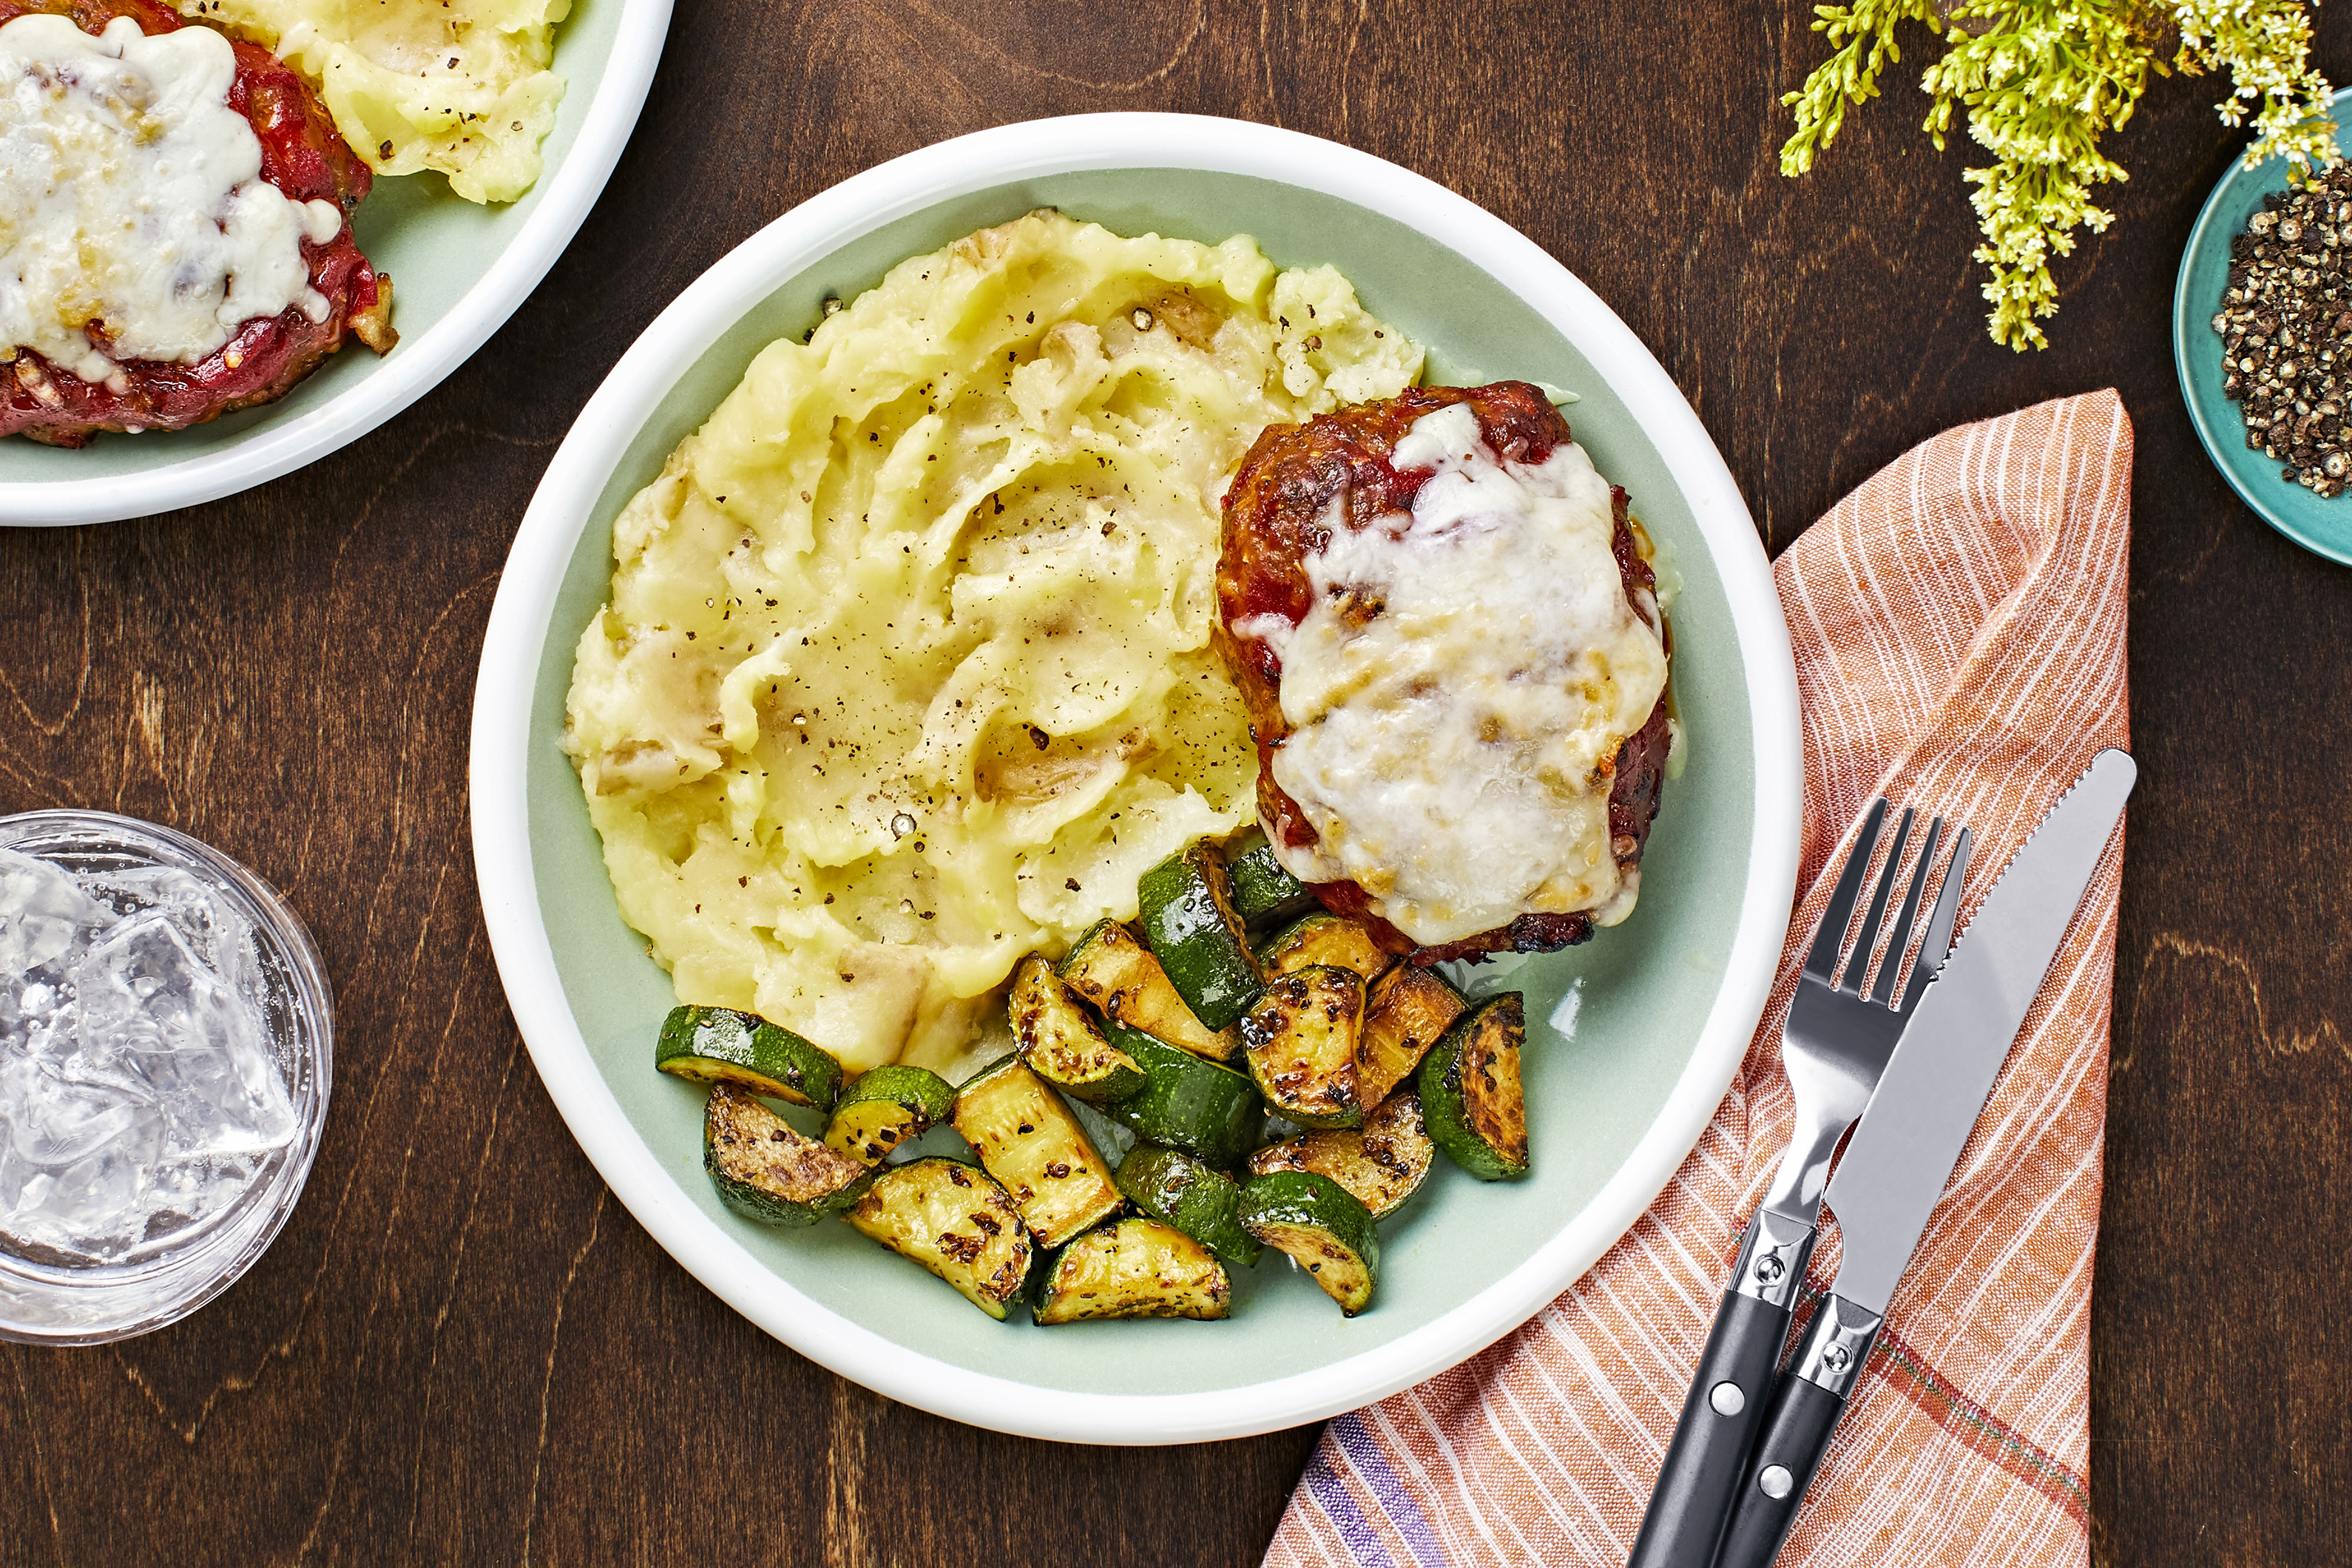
(462, 1350)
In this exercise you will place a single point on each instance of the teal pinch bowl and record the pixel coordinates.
(2321, 526)
(1631, 1037)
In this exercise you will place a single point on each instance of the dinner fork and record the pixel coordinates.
(1834, 1046)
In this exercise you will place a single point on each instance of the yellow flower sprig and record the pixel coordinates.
(2041, 81)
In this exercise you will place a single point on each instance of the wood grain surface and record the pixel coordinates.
(463, 1350)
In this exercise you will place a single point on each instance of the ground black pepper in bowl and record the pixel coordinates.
(2285, 317)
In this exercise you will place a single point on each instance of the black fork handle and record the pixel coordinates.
(1724, 1409)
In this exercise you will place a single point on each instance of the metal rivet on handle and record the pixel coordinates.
(1774, 1481)
(1834, 1357)
(1726, 1399)
(1768, 1268)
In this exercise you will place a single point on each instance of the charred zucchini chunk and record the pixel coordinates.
(1030, 1142)
(1190, 925)
(1321, 1226)
(884, 1108)
(1062, 1043)
(1300, 1038)
(1202, 1107)
(955, 1220)
(1116, 973)
(766, 1171)
(720, 1045)
(1324, 940)
(1470, 1091)
(1381, 1165)
(1133, 1268)
(1264, 890)
(1403, 1015)
(1197, 1199)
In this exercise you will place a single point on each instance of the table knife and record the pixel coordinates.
(1903, 1149)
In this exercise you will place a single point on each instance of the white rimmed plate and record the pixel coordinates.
(1633, 1038)
(458, 270)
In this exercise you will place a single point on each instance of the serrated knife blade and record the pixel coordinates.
(1910, 1137)
(1935, 1084)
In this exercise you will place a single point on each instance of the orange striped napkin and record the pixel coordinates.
(1959, 624)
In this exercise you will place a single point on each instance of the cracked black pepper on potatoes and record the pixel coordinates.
(2285, 320)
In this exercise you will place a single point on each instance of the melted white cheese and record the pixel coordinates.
(1464, 674)
(131, 196)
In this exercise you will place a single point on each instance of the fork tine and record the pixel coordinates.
(1938, 941)
(1858, 966)
(1899, 943)
(1820, 964)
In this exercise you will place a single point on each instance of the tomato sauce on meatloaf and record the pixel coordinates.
(304, 156)
(1296, 485)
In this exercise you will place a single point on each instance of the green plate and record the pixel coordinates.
(458, 270)
(2323, 527)
(1633, 1037)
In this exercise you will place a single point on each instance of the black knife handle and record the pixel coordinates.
(1725, 1407)
(1804, 1414)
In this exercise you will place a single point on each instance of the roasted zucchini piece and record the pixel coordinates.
(1300, 1038)
(955, 1220)
(1263, 891)
(720, 1045)
(884, 1108)
(1404, 1014)
(1030, 1142)
(766, 1171)
(1061, 1042)
(1190, 925)
(1470, 1091)
(1187, 1102)
(1324, 940)
(1133, 1268)
(1381, 1165)
(1203, 1203)
(1320, 1224)
(1116, 973)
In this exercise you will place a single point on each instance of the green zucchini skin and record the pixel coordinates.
(955, 1220)
(1030, 1142)
(1060, 1041)
(1188, 1102)
(720, 1045)
(1264, 890)
(1132, 1269)
(884, 1108)
(1118, 975)
(1319, 1222)
(1299, 1039)
(1382, 1164)
(1405, 1014)
(1324, 938)
(1189, 925)
(1470, 1091)
(764, 1170)
(1203, 1203)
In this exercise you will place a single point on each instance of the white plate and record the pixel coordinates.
(1620, 1085)
(458, 270)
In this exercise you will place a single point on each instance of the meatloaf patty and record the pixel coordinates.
(302, 154)
(1297, 486)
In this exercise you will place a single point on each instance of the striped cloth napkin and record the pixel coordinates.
(1959, 625)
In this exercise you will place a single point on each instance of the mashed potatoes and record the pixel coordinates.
(906, 671)
(461, 86)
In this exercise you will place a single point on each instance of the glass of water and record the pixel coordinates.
(166, 1047)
